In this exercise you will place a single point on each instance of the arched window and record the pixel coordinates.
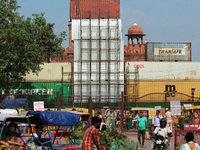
(135, 40)
(140, 41)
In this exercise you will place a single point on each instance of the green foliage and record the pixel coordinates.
(79, 131)
(109, 136)
(24, 43)
(117, 141)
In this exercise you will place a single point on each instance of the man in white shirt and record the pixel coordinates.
(168, 116)
(108, 117)
(164, 131)
(156, 119)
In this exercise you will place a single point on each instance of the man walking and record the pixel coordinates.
(156, 119)
(108, 117)
(140, 128)
(168, 116)
(91, 136)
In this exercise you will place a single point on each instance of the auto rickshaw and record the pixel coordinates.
(53, 139)
(83, 110)
(184, 117)
(148, 112)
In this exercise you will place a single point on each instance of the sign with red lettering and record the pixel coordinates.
(138, 66)
(38, 106)
(191, 127)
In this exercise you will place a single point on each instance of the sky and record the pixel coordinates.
(161, 20)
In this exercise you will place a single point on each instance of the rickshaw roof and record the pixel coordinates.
(57, 118)
(84, 116)
(10, 117)
(143, 108)
(78, 112)
(151, 111)
(193, 107)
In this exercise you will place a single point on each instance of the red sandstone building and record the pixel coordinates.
(135, 50)
(79, 9)
(104, 9)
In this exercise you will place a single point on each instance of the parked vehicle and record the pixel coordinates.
(55, 128)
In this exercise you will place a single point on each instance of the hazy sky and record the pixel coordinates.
(161, 20)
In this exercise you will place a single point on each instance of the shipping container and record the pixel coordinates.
(104, 8)
(162, 70)
(51, 72)
(168, 51)
(154, 91)
(41, 89)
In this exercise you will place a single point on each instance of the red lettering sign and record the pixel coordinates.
(191, 127)
(139, 66)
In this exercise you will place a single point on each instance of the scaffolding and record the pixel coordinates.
(98, 60)
(132, 85)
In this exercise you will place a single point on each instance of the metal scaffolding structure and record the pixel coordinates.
(98, 60)
(132, 85)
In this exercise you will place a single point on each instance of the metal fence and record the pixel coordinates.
(48, 103)
(159, 99)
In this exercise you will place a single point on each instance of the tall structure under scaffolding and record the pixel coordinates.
(131, 84)
(98, 52)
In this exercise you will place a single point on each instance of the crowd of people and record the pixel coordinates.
(100, 123)
(161, 123)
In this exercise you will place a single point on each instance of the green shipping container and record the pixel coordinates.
(41, 89)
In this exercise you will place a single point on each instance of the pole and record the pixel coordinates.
(58, 101)
(175, 139)
(165, 101)
(62, 81)
(90, 109)
(122, 111)
(15, 102)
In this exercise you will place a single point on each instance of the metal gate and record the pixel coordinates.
(48, 103)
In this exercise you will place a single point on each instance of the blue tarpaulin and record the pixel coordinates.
(57, 118)
(10, 103)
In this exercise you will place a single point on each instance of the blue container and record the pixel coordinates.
(168, 51)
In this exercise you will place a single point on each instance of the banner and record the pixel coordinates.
(38, 106)
(157, 107)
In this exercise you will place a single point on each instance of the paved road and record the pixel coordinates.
(133, 135)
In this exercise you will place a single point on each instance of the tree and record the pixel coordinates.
(24, 43)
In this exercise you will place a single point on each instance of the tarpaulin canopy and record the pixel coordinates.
(10, 103)
(57, 118)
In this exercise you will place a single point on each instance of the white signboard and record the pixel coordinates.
(175, 103)
(175, 108)
(187, 105)
(176, 111)
(169, 51)
(38, 106)
(157, 107)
